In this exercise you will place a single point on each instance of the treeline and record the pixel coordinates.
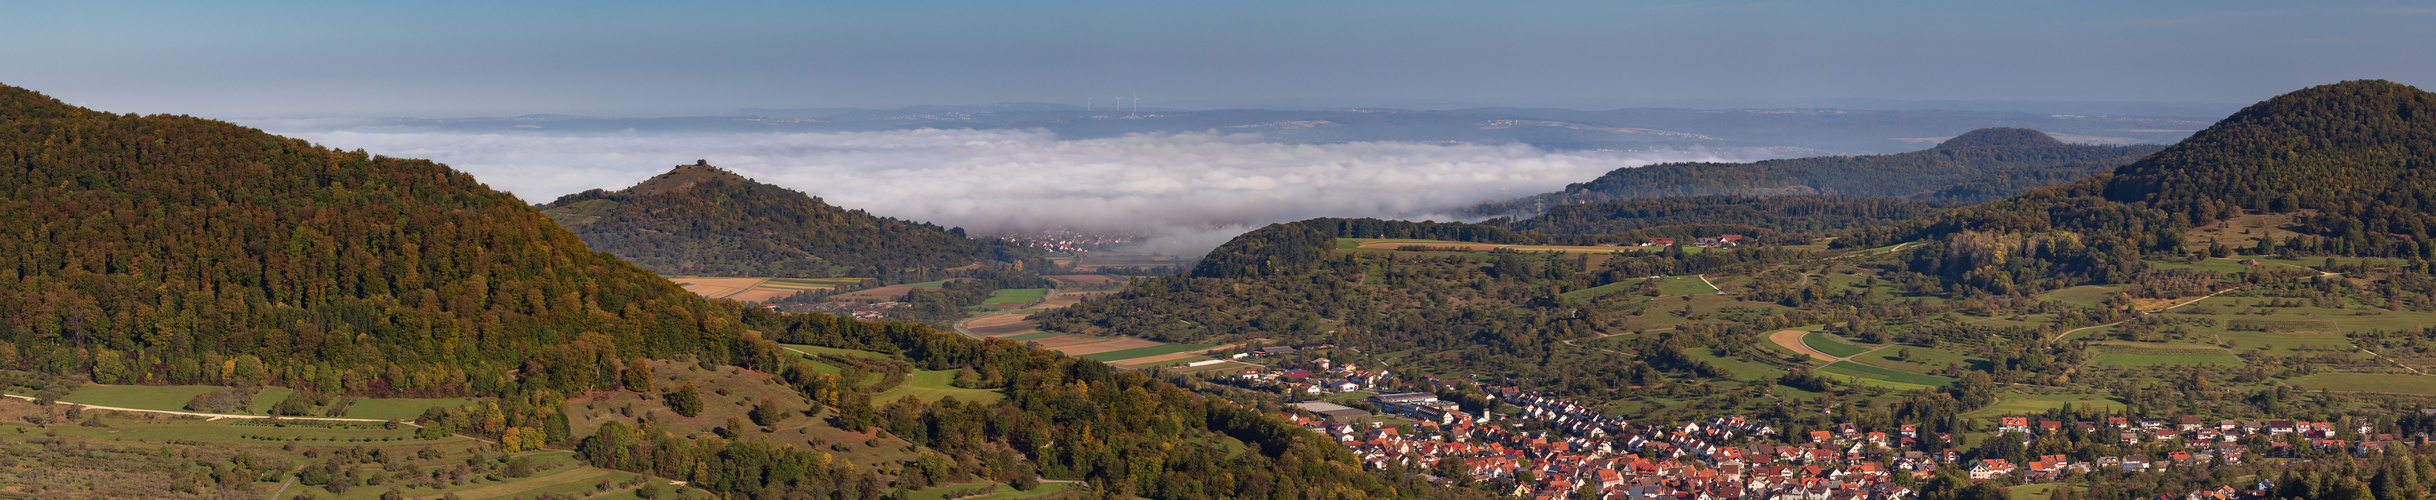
(714, 223)
(1800, 216)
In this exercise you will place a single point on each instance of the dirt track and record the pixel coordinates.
(1793, 339)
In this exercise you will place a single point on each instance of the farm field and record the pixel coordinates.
(1015, 297)
(757, 289)
(1833, 347)
(1142, 352)
(1087, 262)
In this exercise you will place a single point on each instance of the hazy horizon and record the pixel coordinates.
(451, 59)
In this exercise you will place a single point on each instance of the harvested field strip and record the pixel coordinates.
(987, 328)
(1032, 336)
(1057, 341)
(1866, 371)
(1144, 352)
(1831, 346)
(1107, 345)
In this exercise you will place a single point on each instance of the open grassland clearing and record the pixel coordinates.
(1742, 369)
(994, 492)
(1031, 336)
(117, 456)
(2400, 383)
(1679, 310)
(2155, 354)
(1664, 285)
(937, 384)
(302, 432)
(1832, 346)
(727, 391)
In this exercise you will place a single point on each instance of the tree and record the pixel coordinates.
(685, 400)
(638, 375)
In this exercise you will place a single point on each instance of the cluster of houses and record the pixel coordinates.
(1331, 377)
(2197, 432)
(1723, 457)
(1719, 241)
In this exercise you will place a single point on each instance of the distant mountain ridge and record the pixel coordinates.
(1975, 166)
(701, 220)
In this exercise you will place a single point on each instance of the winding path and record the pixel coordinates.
(2060, 336)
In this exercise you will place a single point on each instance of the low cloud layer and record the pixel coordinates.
(1198, 189)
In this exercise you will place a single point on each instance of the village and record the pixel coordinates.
(1552, 447)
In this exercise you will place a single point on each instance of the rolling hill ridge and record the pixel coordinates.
(701, 220)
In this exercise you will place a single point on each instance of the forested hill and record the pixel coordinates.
(1981, 165)
(701, 220)
(2357, 153)
(2349, 162)
(178, 250)
(171, 249)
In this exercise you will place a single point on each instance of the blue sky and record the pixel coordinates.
(450, 58)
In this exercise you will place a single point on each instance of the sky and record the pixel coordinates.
(629, 58)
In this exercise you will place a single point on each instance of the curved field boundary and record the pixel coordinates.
(1792, 339)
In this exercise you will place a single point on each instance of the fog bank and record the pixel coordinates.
(1197, 188)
